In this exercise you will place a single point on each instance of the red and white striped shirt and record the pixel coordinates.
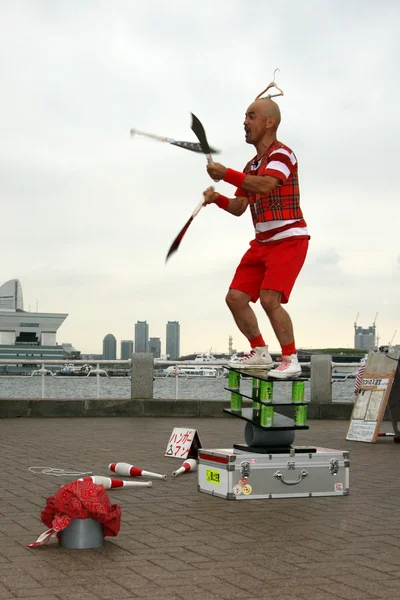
(278, 215)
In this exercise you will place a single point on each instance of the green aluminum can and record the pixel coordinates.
(266, 416)
(234, 380)
(234, 384)
(266, 389)
(236, 402)
(300, 415)
(255, 394)
(297, 392)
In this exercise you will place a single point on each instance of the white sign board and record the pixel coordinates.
(369, 407)
(361, 431)
(183, 443)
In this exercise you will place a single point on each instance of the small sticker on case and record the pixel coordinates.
(213, 476)
(237, 489)
(339, 487)
(247, 489)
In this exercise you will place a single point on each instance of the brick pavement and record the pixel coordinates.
(176, 543)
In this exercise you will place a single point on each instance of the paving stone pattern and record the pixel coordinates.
(177, 543)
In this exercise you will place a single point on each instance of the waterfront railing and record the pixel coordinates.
(141, 370)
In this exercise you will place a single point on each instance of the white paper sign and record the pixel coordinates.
(361, 431)
(183, 443)
(366, 410)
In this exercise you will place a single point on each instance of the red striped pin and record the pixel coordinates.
(110, 484)
(189, 465)
(126, 469)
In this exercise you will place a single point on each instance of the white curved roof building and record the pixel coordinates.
(20, 327)
(11, 295)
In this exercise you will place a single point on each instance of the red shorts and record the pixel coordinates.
(270, 266)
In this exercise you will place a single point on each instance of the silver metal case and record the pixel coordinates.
(300, 472)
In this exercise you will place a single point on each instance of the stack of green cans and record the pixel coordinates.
(234, 386)
(255, 394)
(266, 412)
(300, 412)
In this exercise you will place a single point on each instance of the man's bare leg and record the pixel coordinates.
(246, 321)
(280, 320)
(243, 314)
(283, 328)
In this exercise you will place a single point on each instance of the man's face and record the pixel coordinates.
(255, 124)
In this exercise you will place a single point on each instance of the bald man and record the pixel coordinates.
(268, 270)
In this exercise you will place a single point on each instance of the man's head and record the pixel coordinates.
(262, 118)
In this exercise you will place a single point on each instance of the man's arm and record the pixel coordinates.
(256, 184)
(259, 184)
(235, 206)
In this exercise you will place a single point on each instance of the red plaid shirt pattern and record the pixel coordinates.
(283, 202)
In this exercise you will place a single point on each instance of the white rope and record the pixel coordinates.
(57, 472)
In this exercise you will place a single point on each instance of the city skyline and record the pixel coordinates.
(362, 337)
(143, 342)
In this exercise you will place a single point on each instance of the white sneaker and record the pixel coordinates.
(235, 360)
(288, 368)
(258, 358)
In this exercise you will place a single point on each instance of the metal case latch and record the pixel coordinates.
(334, 466)
(244, 469)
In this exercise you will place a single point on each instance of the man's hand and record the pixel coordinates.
(210, 196)
(216, 171)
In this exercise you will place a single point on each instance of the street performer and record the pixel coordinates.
(269, 269)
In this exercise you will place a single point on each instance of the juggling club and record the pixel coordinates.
(123, 468)
(110, 484)
(189, 465)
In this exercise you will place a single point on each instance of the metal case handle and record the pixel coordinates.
(303, 474)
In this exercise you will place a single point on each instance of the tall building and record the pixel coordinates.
(126, 349)
(155, 347)
(26, 334)
(141, 336)
(364, 338)
(173, 340)
(109, 347)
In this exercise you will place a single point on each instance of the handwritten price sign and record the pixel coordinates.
(183, 443)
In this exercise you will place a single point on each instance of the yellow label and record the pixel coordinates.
(212, 476)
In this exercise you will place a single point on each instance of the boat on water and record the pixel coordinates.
(74, 370)
(202, 368)
(192, 371)
(204, 357)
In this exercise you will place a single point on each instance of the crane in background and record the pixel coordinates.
(376, 336)
(392, 340)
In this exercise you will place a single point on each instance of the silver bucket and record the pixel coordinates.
(82, 534)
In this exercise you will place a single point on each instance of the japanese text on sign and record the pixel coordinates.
(181, 441)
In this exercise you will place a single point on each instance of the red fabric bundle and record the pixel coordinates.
(81, 500)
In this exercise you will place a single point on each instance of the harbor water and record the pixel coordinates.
(199, 388)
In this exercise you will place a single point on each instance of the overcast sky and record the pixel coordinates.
(88, 213)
